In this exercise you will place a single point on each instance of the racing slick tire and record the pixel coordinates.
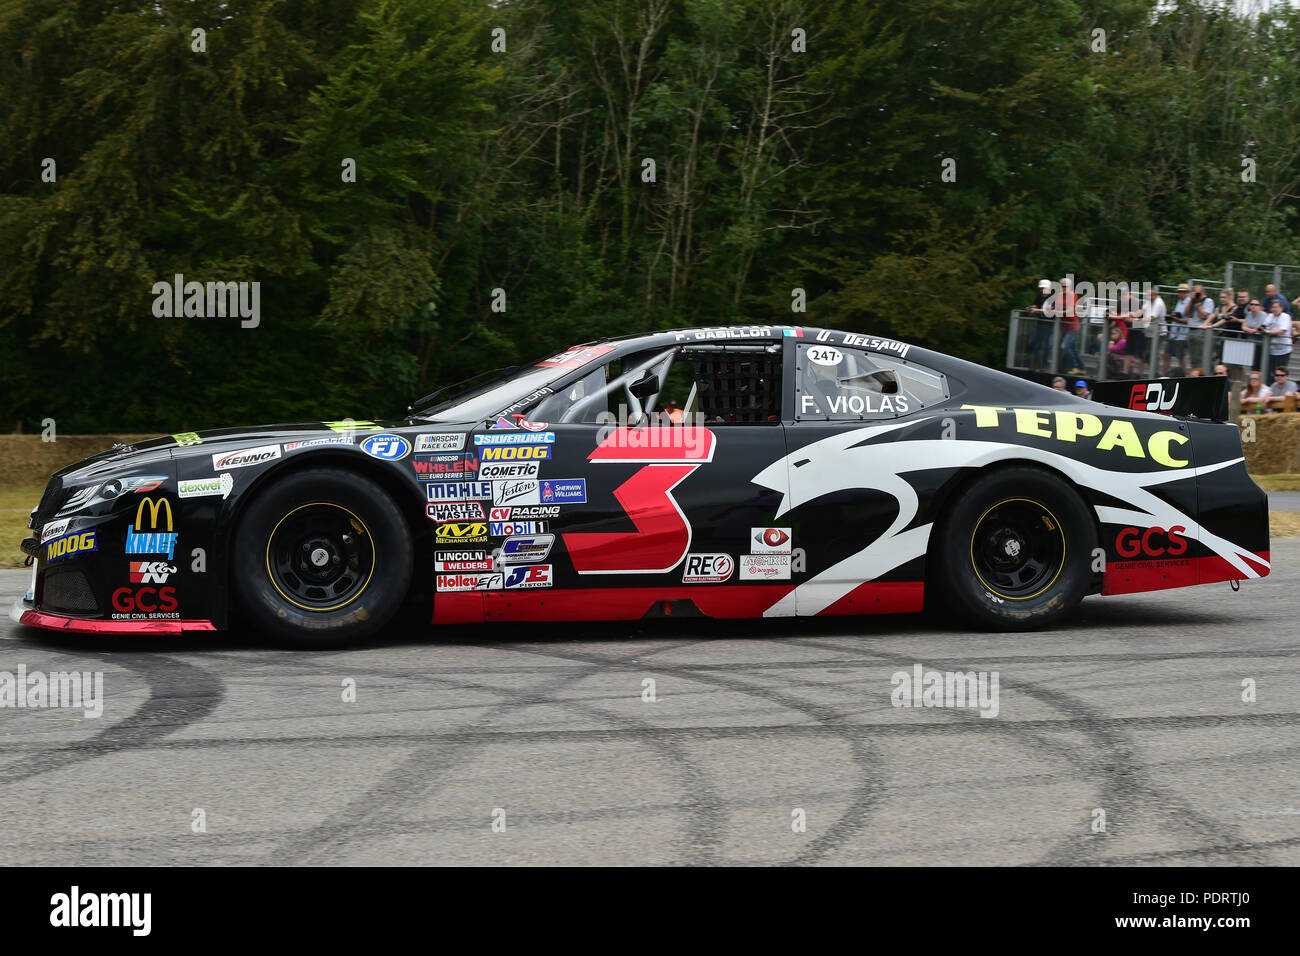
(321, 558)
(1015, 550)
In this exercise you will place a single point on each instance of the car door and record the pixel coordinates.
(862, 525)
(627, 513)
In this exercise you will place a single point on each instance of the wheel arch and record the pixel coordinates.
(403, 493)
(940, 505)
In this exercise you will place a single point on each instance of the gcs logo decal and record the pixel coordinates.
(1151, 542)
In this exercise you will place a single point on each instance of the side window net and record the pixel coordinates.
(737, 387)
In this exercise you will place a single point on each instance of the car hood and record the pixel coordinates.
(155, 451)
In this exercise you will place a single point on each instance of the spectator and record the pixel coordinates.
(1252, 396)
(1176, 326)
(1198, 372)
(1222, 313)
(1255, 318)
(1118, 349)
(1058, 383)
(1242, 307)
(1070, 326)
(1202, 306)
(673, 411)
(1271, 295)
(1278, 329)
(1221, 369)
(1153, 310)
(1081, 389)
(1275, 394)
(1040, 339)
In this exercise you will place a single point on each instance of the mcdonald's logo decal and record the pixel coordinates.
(150, 538)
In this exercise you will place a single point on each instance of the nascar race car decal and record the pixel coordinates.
(743, 472)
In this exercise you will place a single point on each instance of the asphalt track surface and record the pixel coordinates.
(1135, 707)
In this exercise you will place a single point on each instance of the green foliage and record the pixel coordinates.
(522, 171)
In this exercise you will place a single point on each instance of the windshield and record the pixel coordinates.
(491, 397)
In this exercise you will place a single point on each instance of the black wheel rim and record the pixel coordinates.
(1018, 549)
(320, 556)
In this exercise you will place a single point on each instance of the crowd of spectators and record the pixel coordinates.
(1124, 342)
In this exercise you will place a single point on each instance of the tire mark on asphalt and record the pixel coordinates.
(180, 694)
(864, 797)
(1120, 772)
(394, 788)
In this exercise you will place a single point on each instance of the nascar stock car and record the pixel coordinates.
(805, 472)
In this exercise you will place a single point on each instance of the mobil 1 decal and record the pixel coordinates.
(661, 534)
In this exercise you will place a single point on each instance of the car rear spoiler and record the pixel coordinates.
(1204, 396)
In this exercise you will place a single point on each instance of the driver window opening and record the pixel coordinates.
(735, 384)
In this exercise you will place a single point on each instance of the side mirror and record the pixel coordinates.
(645, 387)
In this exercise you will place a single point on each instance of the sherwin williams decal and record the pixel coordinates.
(563, 491)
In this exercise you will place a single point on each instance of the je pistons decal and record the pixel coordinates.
(532, 576)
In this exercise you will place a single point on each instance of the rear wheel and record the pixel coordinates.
(1014, 551)
(321, 558)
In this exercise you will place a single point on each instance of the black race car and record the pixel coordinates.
(728, 472)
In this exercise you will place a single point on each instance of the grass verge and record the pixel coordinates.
(16, 506)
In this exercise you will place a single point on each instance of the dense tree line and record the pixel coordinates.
(913, 165)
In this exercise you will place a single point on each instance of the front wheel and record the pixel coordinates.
(1014, 551)
(321, 558)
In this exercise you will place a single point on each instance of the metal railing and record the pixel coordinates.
(1253, 276)
(1042, 344)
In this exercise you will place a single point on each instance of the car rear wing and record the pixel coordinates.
(1204, 396)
